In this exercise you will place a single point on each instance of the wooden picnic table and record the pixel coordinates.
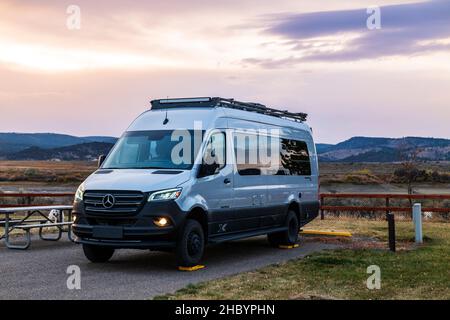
(28, 222)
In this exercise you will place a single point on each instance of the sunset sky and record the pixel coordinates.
(301, 55)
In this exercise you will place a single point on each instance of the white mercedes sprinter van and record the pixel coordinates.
(197, 171)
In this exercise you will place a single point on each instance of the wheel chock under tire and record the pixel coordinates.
(190, 269)
(288, 247)
(326, 233)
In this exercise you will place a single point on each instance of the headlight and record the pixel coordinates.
(161, 222)
(168, 194)
(79, 193)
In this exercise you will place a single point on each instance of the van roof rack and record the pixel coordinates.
(226, 103)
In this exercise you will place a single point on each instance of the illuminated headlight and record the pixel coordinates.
(169, 194)
(79, 193)
(161, 222)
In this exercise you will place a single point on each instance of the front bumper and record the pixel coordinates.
(124, 231)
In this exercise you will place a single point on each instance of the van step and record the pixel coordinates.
(242, 235)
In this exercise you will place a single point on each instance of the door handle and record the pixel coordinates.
(227, 181)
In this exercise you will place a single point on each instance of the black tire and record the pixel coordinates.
(191, 244)
(97, 254)
(288, 237)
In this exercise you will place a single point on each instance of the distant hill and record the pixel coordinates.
(366, 149)
(323, 147)
(48, 146)
(15, 142)
(84, 151)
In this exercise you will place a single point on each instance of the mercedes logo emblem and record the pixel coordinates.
(108, 201)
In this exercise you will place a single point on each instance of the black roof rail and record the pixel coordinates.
(226, 103)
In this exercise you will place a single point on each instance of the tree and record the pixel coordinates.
(409, 160)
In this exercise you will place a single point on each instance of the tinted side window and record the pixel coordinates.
(294, 158)
(257, 155)
(246, 152)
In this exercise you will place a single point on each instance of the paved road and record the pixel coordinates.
(40, 272)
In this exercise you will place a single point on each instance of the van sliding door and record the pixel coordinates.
(250, 190)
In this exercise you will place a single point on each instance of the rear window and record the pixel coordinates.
(294, 156)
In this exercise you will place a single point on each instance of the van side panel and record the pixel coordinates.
(280, 190)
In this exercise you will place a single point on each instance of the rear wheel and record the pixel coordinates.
(191, 244)
(97, 254)
(288, 237)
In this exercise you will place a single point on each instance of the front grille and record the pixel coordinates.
(107, 221)
(126, 203)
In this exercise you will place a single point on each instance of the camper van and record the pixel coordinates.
(199, 171)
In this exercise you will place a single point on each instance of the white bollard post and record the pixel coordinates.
(417, 217)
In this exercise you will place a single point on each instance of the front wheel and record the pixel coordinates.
(191, 244)
(288, 237)
(97, 254)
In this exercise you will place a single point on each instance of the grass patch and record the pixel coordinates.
(420, 273)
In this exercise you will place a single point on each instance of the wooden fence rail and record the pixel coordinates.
(386, 208)
(386, 196)
(30, 196)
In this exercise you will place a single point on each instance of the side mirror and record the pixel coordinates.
(207, 169)
(101, 159)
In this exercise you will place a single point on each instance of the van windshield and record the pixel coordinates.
(155, 149)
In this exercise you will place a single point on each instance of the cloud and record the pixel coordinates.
(334, 36)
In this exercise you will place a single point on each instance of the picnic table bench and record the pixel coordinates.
(29, 222)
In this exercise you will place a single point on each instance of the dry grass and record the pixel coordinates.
(45, 171)
(56, 173)
(369, 173)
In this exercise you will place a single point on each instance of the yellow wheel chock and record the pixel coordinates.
(288, 247)
(190, 269)
(326, 233)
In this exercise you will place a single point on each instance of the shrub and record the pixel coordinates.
(30, 172)
(415, 175)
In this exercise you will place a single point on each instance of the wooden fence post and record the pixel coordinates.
(387, 206)
(391, 228)
(322, 215)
